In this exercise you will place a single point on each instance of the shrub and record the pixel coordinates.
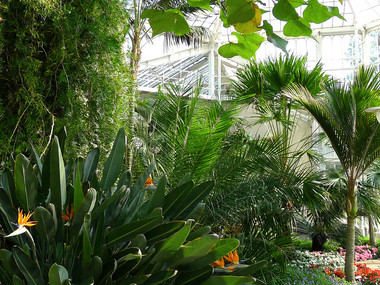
(302, 245)
(332, 245)
(103, 232)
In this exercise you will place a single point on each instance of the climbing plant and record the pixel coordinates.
(61, 63)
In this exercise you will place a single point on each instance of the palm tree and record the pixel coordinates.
(354, 135)
(183, 133)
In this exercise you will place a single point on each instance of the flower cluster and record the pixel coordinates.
(232, 258)
(334, 272)
(318, 259)
(362, 252)
(367, 275)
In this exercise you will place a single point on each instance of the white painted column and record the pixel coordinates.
(211, 73)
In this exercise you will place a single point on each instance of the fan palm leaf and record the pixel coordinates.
(353, 133)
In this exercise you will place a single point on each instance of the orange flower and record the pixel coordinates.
(232, 257)
(22, 223)
(69, 214)
(149, 182)
(218, 263)
(24, 220)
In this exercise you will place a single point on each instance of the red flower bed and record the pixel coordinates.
(365, 274)
(368, 275)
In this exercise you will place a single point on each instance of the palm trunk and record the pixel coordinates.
(372, 240)
(352, 208)
(350, 250)
(134, 65)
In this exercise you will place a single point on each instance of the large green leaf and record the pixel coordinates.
(189, 202)
(62, 135)
(205, 4)
(245, 270)
(111, 200)
(139, 184)
(285, 11)
(239, 11)
(125, 264)
(193, 250)
(114, 162)
(199, 233)
(78, 192)
(8, 184)
(318, 13)
(246, 47)
(6, 208)
(168, 247)
(158, 197)
(86, 247)
(96, 268)
(194, 277)
(163, 231)
(125, 180)
(222, 248)
(7, 261)
(197, 212)
(37, 159)
(58, 275)
(274, 38)
(297, 28)
(171, 20)
(91, 164)
(17, 280)
(159, 277)
(57, 176)
(175, 197)
(28, 267)
(26, 183)
(229, 280)
(86, 207)
(45, 223)
(108, 269)
(128, 231)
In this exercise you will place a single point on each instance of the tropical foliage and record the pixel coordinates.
(111, 231)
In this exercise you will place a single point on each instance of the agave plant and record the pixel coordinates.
(107, 231)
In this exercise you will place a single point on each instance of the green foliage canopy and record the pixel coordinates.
(245, 17)
(61, 63)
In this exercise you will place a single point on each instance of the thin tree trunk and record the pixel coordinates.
(134, 65)
(372, 240)
(352, 209)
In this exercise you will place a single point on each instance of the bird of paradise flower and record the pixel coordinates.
(22, 223)
(232, 258)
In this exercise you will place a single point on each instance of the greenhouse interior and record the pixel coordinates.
(190, 142)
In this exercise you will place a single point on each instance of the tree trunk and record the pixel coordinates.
(349, 268)
(372, 240)
(318, 241)
(352, 209)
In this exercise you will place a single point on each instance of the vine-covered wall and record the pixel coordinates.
(61, 64)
